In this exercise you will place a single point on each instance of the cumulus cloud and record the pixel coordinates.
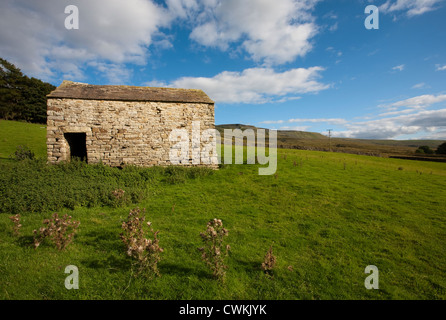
(115, 73)
(418, 102)
(413, 119)
(272, 32)
(115, 33)
(439, 135)
(255, 85)
(33, 35)
(393, 127)
(441, 68)
(408, 116)
(183, 9)
(409, 7)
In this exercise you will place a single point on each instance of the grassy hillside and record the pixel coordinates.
(327, 215)
(15, 133)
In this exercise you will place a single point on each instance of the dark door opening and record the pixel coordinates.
(78, 145)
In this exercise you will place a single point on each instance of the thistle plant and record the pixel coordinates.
(214, 252)
(119, 197)
(16, 221)
(269, 262)
(145, 251)
(118, 193)
(60, 230)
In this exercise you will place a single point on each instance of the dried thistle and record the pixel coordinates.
(269, 262)
(118, 193)
(145, 251)
(16, 221)
(119, 197)
(60, 231)
(214, 252)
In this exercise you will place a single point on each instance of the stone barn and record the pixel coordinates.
(125, 125)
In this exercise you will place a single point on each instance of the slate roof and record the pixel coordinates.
(77, 90)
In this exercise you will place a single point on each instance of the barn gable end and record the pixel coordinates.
(123, 125)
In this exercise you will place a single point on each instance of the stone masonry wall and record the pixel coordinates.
(124, 132)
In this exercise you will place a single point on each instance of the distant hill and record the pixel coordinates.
(289, 139)
(285, 134)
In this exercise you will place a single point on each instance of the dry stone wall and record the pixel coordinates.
(124, 132)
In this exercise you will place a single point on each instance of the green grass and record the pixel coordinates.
(15, 133)
(328, 218)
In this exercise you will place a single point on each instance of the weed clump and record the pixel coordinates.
(269, 262)
(145, 251)
(59, 230)
(16, 221)
(119, 198)
(214, 252)
(22, 153)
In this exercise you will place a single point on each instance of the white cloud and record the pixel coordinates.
(410, 7)
(255, 85)
(419, 86)
(399, 68)
(114, 32)
(333, 27)
(183, 9)
(409, 121)
(115, 73)
(419, 102)
(272, 32)
(285, 99)
(110, 31)
(331, 121)
(441, 68)
(298, 128)
(273, 122)
(393, 127)
(439, 135)
(335, 121)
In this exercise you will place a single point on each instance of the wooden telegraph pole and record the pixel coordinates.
(329, 137)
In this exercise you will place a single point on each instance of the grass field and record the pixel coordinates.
(328, 216)
(14, 133)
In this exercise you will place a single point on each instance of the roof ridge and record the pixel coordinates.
(78, 90)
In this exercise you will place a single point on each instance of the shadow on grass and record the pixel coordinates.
(111, 263)
(103, 240)
(175, 269)
(7, 159)
(26, 241)
(250, 266)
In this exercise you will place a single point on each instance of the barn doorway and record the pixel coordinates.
(78, 145)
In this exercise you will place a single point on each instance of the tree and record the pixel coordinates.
(425, 149)
(21, 97)
(9, 92)
(441, 148)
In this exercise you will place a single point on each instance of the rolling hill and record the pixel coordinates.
(302, 140)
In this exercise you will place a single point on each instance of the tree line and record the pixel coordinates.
(427, 150)
(21, 97)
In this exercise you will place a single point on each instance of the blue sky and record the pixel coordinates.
(280, 64)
